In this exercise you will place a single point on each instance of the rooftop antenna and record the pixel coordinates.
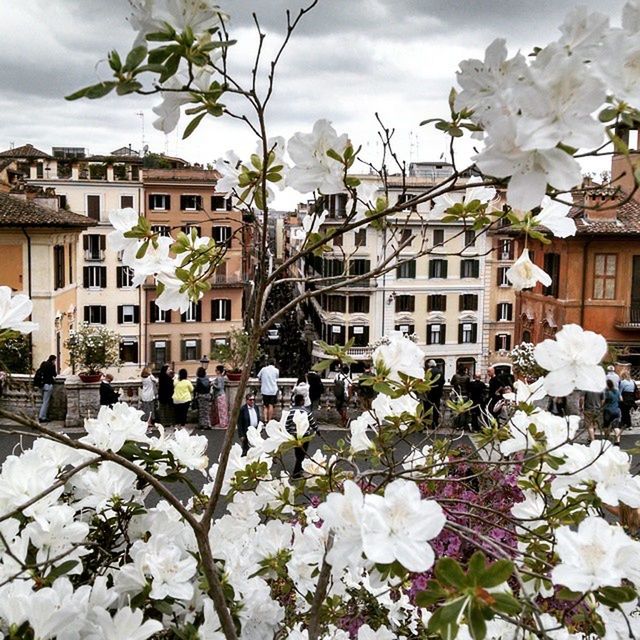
(141, 115)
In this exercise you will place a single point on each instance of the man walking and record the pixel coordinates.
(477, 395)
(249, 416)
(47, 373)
(434, 395)
(268, 377)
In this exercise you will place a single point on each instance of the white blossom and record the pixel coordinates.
(123, 220)
(523, 274)
(126, 623)
(14, 311)
(360, 441)
(554, 216)
(399, 355)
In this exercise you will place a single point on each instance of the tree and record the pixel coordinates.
(371, 543)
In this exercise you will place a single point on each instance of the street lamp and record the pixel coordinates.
(204, 361)
(73, 342)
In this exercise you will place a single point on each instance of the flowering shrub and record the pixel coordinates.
(391, 533)
(524, 363)
(92, 348)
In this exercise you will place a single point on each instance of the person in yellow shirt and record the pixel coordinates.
(182, 397)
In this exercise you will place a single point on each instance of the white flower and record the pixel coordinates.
(384, 406)
(172, 296)
(311, 223)
(473, 192)
(126, 623)
(529, 510)
(156, 260)
(556, 429)
(313, 169)
(398, 525)
(365, 632)
(620, 623)
(190, 451)
(14, 310)
(400, 355)
(554, 216)
(360, 441)
(523, 392)
(96, 488)
(523, 274)
(114, 426)
(572, 360)
(123, 220)
(276, 434)
(229, 169)
(596, 555)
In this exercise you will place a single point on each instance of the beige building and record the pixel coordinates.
(177, 200)
(38, 245)
(436, 288)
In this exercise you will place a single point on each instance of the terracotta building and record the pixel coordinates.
(177, 200)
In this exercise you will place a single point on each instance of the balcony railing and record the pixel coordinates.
(629, 318)
(222, 280)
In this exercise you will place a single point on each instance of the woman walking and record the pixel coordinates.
(628, 399)
(165, 396)
(611, 411)
(203, 398)
(182, 397)
(148, 396)
(220, 409)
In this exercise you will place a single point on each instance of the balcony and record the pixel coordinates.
(357, 353)
(628, 318)
(227, 280)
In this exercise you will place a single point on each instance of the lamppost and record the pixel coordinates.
(204, 361)
(72, 342)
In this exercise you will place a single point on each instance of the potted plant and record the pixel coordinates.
(233, 352)
(91, 349)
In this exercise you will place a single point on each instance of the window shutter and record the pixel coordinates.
(474, 332)
(459, 334)
(213, 310)
(509, 311)
(167, 316)
(136, 313)
(85, 243)
(85, 278)
(119, 283)
(167, 202)
(474, 301)
(183, 350)
(86, 314)
(120, 314)
(198, 349)
(167, 357)
(103, 315)
(153, 311)
(476, 269)
(227, 310)
(508, 342)
(499, 280)
(103, 242)
(150, 201)
(445, 265)
(183, 318)
(198, 311)
(229, 204)
(428, 334)
(443, 333)
(461, 302)
(103, 276)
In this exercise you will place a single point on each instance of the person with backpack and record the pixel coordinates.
(627, 390)
(316, 389)
(342, 392)
(44, 377)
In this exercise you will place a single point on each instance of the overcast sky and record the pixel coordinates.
(349, 59)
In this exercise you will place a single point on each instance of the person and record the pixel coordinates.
(611, 411)
(302, 388)
(628, 395)
(557, 406)
(268, 377)
(291, 427)
(316, 389)
(108, 395)
(592, 407)
(477, 395)
(460, 386)
(48, 373)
(434, 395)
(249, 416)
(342, 392)
(148, 396)
(165, 395)
(366, 392)
(203, 398)
(182, 397)
(497, 405)
(612, 375)
(219, 407)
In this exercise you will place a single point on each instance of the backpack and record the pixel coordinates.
(339, 388)
(38, 378)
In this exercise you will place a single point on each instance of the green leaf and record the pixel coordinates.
(475, 621)
(608, 114)
(191, 127)
(100, 90)
(142, 250)
(496, 574)
(61, 569)
(130, 86)
(450, 572)
(135, 57)
(618, 594)
(506, 603)
(159, 36)
(114, 61)
(334, 155)
(81, 93)
(170, 67)
(476, 566)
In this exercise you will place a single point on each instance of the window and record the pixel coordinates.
(186, 229)
(93, 207)
(62, 202)
(552, 267)
(360, 238)
(604, 276)
(95, 314)
(128, 314)
(160, 352)
(193, 313)
(469, 268)
(359, 266)
(438, 268)
(337, 240)
(470, 238)
(438, 237)
(407, 329)
(503, 342)
(94, 277)
(505, 250)
(437, 303)
(124, 277)
(159, 201)
(220, 309)
(71, 262)
(190, 203)
(58, 266)
(468, 302)
(335, 334)
(158, 315)
(405, 304)
(406, 235)
(222, 236)
(129, 350)
(94, 246)
(126, 201)
(337, 304)
(220, 203)
(406, 270)
(332, 268)
(360, 335)
(358, 304)
(406, 197)
(467, 332)
(504, 311)
(336, 204)
(190, 349)
(503, 281)
(161, 229)
(39, 170)
(436, 333)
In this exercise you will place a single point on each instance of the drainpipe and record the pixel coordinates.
(584, 280)
(29, 286)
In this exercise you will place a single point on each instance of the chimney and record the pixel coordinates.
(623, 167)
(601, 205)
